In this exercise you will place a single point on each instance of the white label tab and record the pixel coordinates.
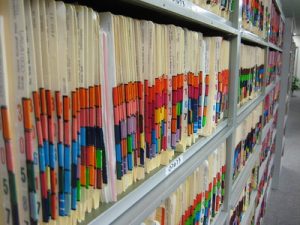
(174, 164)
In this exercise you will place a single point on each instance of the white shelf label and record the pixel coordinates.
(174, 164)
(181, 3)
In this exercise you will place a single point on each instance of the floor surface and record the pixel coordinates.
(284, 204)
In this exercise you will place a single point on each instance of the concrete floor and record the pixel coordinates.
(284, 204)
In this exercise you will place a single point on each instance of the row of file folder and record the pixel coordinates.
(199, 199)
(274, 68)
(266, 146)
(251, 72)
(221, 8)
(270, 102)
(91, 102)
(237, 214)
(276, 26)
(262, 17)
(247, 135)
(256, 16)
(268, 149)
(269, 106)
(262, 192)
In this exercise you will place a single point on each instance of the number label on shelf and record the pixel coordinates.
(174, 165)
(180, 2)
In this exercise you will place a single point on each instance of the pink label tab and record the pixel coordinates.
(51, 130)
(29, 145)
(9, 160)
(67, 140)
(39, 133)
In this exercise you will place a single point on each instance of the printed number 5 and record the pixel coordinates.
(23, 176)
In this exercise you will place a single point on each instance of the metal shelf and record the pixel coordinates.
(269, 189)
(271, 164)
(266, 189)
(270, 87)
(266, 192)
(247, 214)
(285, 120)
(275, 47)
(262, 167)
(277, 79)
(257, 210)
(189, 12)
(279, 6)
(249, 36)
(287, 98)
(141, 202)
(283, 143)
(274, 135)
(242, 178)
(220, 218)
(275, 108)
(248, 107)
(266, 129)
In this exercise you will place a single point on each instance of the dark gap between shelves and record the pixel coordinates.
(119, 7)
(252, 43)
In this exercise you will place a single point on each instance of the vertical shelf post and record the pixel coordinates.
(287, 38)
(235, 46)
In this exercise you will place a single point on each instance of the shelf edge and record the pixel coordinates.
(141, 202)
(190, 12)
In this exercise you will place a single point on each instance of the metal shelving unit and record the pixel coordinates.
(136, 205)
